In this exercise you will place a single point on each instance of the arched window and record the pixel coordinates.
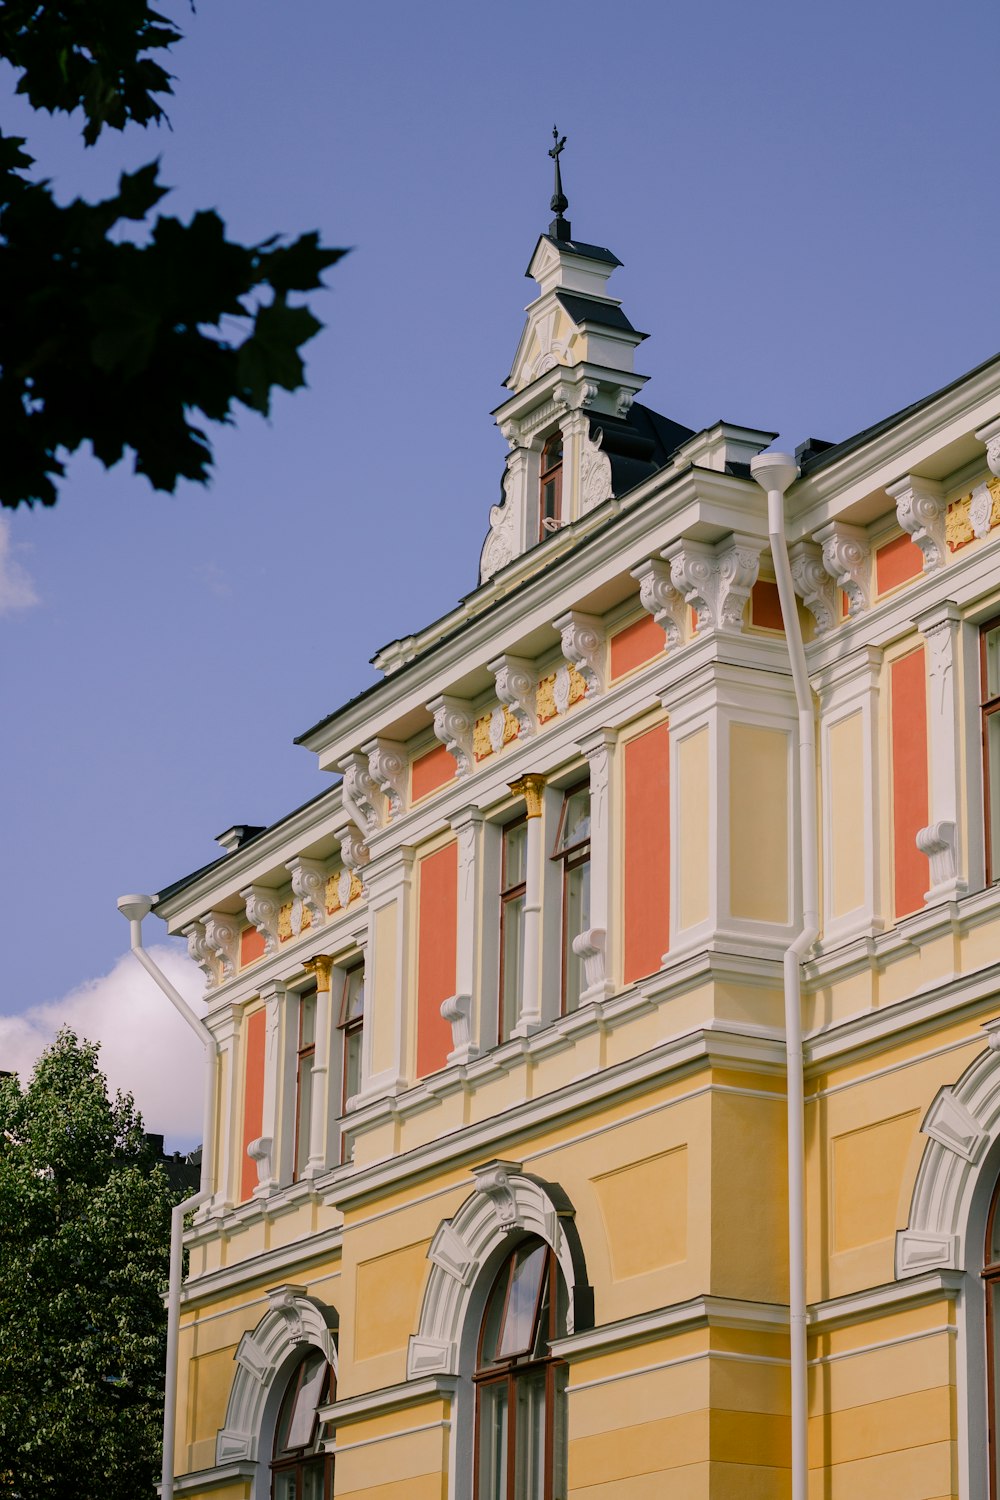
(550, 487)
(300, 1470)
(520, 1387)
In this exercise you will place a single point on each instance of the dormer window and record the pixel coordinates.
(550, 487)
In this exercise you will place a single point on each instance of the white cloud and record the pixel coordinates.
(146, 1047)
(16, 589)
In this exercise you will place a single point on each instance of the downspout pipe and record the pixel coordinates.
(134, 908)
(774, 472)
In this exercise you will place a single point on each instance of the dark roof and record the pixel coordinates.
(638, 444)
(589, 310)
(834, 451)
(577, 247)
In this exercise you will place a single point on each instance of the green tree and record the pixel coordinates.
(84, 1232)
(128, 342)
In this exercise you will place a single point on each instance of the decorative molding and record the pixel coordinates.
(387, 763)
(530, 787)
(321, 964)
(990, 435)
(197, 949)
(847, 558)
(259, 1151)
(353, 849)
(505, 1199)
(222, 941)
(263, 907)
(624, 399)
(360, 794)
(660, 598)
(961, 1124)
(457, 1011)
(595, 472)
(309, 887)
(590, 945)
(453, 726)
(813, 584)
(921, 509)
(516, 689)
(715, 581)
(292, 1320)
(583, 640)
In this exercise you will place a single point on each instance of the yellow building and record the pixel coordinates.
(501, 1198)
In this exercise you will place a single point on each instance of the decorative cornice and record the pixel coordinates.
(715, 581)
(198, 950)
(387, 763)
(847, 558)
(583, 640)
(263, 907)
(515, 684)
(813, 583)
(921, 509)
(660, 598)
(453, 725)
(361, 795)
(222, 941)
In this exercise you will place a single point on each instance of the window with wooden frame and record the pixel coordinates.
(513, 877)
(550, 487)
(572, 848)
(300, 1470)
(989, 649)
(520, 1446)
(352, 1020)
(305, 1061)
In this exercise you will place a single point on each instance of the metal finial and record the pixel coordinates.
(559, 228)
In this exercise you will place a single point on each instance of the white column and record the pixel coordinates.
(458, 1008)
(530, 1014)
(264, 1150)
(941, 840)
(223, 1028)
(595, 945)
(320, 965)
(386, 1033)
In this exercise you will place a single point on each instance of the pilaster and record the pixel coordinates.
(597, 945)
(942, 839)
(269, 1144)
(459, 1009)
(531, 788)
(385, 1046)
(224, 1028)
(322, 1103)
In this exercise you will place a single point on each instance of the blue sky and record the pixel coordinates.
(803, 197)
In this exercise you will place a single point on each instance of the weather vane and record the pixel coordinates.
(559, 228)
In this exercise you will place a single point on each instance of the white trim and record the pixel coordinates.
(892, 1296)
(387, 1437)
(902, 1338)
(669, 1364)
(707, 1312)
(388, 1398)
(210, 1479)
(298, 1255)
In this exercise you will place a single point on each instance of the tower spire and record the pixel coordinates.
(559, 229)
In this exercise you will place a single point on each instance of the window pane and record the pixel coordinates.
(522, 1300)
(575, 825)
(549, 500)
(303, 1420)
(559, 1435)
(352, 1064)
(312, 1481)
(577, 921)
(285, 1485)
(493, 1441)
(515, 844)
(354, 996)
(512, 939)
(303, 1111)
(992, 655)
(529, 1434)
(993, 773)
(307, 1021)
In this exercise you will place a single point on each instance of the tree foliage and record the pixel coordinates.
(123, 340)
(84, 1232)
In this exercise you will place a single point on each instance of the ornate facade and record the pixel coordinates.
(499, 1201)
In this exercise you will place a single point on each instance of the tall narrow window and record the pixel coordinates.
(352, 1019)
(305, 1060)
(520, 1386)
(990, 656)
(300, 1470)
(512, 895)
(550, 487)
(572, 848)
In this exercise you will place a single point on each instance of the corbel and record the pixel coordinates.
(197, 950)
(222, 940)
(715, 581)
(659, 598)
(515, 684)
(847, 557)
(921, 509)
(360, 794)
(990, 435)
(387, 763)
(262, 907)
(309, 887)
(583, 638)
(453, 721)
(813, 583)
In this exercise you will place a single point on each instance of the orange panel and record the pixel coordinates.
(437, 940)
(896, 562)
(647, 852)
(431, 771)
(253, 1097)
(251, 946)
(765, 606)
(908, 691)
(637, 643)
